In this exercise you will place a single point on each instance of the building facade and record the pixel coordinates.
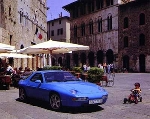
(94, 23)
(59, 30)
(134, 36)
(21, 21)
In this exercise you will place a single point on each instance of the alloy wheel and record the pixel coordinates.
(55, 102)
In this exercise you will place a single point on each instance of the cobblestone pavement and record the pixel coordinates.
(112, 109)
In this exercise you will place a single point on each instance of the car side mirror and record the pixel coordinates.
(38, 81)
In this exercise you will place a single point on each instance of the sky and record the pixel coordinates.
(56, 8)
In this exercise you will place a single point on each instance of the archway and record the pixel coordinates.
(91, 58)
(100, 56)
(75, 59)
(53, 62)
(68, 61)
(83, 58)
(60, 61)
(126, 62)
(142, 63)
(109, 56)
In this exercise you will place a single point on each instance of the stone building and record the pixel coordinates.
(94, 23)
(59, 30)
(134, 36)
(20, 23)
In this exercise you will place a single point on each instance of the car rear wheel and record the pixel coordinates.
(55, 101)
(22, 94)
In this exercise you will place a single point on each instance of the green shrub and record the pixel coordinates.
(95, 74)
(77, 69)
(52, 67)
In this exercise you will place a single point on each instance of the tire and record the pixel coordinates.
(136, 101)
(140, 99)
(22, 94)
(55, 101)
(125, 100)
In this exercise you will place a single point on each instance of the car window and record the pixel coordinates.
(37, 76)
(69, 77)
(49, 77)
(59, 76)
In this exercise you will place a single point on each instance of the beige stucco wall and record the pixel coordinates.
(24, 33)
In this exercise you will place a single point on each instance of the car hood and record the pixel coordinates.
(82, 87)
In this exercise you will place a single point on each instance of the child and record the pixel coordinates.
(137, 87)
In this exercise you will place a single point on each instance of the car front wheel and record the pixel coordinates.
(22, 94)
(55, 101)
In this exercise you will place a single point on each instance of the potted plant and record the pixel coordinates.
(52, 67)
(95, 75)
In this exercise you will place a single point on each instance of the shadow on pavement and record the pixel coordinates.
(72, 110)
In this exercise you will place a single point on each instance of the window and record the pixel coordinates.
(52, 23)
(75, 30)
(99, 4)
(109, 2)
(75, 12)
(142, 19)
(91, 6)
(142, 40)
(10, 40)
(59, 21)
(109, 22)
(83, 29)
(21, 17)
(37, 76)
(52, 33)
(61, 31)
(125, 41)
(100, 24)
(9, 10)
(126, 22)
(83, 9)
(91, 27)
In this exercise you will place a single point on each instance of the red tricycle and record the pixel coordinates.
(134, 97)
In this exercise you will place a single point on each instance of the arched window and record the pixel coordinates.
(83, 29)
(142, 19)
(91, 27)
(75, 30)
(126, 41)
(99, 24)
(109, 22)
(142, 39)
(21, 15)
(126, 22)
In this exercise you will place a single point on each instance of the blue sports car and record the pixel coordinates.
(61, 88)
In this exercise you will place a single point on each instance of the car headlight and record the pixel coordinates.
(101, 89)
(73, 91)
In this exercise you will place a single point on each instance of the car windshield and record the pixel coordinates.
(59, 77)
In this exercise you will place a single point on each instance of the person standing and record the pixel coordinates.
(9, 70)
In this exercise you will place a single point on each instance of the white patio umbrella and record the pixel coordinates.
(14, 55)
(53, 47)
(5, 47)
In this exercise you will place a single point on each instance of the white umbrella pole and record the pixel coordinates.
(50, 59)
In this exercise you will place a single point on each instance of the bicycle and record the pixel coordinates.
(110, 79)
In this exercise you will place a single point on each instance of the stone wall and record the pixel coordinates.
(21, 20)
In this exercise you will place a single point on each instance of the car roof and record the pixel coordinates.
(44, 71)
